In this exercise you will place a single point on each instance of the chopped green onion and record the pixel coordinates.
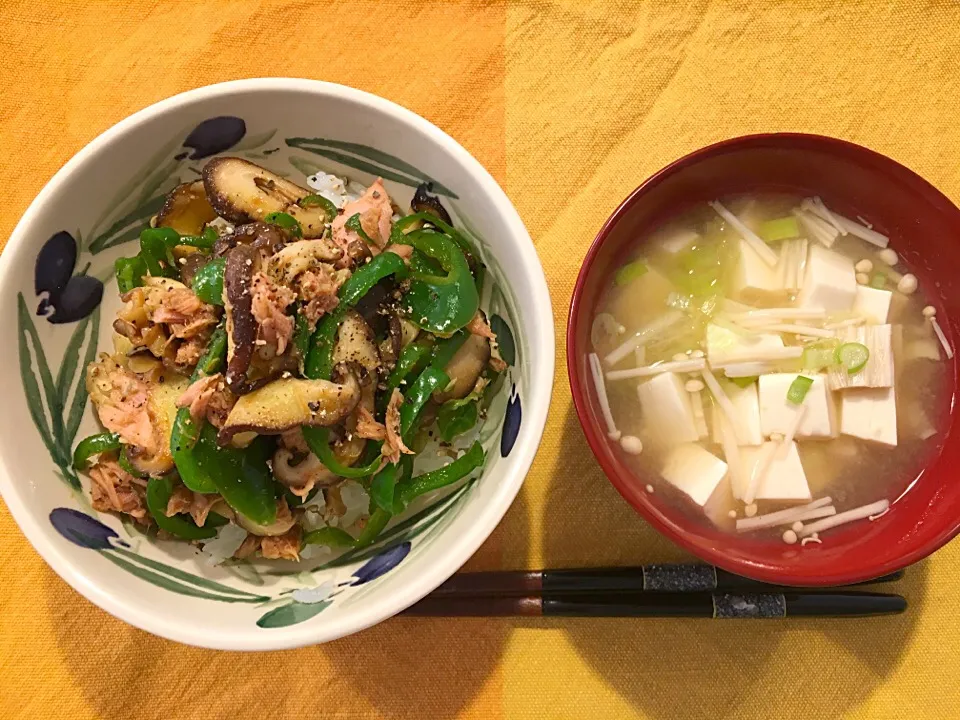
(819, 355)
(798, 389)
(744, 381)
(852, 356)
(285, 221)
(630, 272)
(780, 229)
(878, 281)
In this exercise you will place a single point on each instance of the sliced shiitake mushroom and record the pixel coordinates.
(423, 201)
(162, 408)
(265, 238)
(241, 191)
(186, 209)
(356, 343)
(292, 402)
(242, 262)
(464, 368)
(308, 472)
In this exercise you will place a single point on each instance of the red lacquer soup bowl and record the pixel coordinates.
(924, 229)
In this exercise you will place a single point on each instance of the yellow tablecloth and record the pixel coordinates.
(570, 105)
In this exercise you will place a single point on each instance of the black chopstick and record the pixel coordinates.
(670, 578)
(664, 604)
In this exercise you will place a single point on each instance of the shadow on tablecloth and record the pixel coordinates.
(403, 669)
(681, 668)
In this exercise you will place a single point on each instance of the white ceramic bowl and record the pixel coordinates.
(91, 212)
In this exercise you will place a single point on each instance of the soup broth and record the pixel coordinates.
(764, 354)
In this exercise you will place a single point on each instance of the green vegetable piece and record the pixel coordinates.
(630, 272)
(124, 462)
(301, 335)
(208, 282)
(159, 491)
(819, 355)
(156, 246)
(399, 231)
(206, 241)
(412, 360)
(878, 281)
(784, 228)
(383, 485)
(416, 398)
(318, 440)
(94, 445)
(330, 536)
(130, 272)
(375, 525)
(447, 475)
(852, 356)
(456, 417)
(185, 432)
(286, 221)
(798, 389)
(320, 201)
(441, 304)
(354, 224)
(744, 381)
(241, 476)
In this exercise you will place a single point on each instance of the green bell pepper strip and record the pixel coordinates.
(441, 304)
(159, 490)
(375, 525)
(185, 432)
(241, 476)
(397, 234)
(207, 284)
(206, 241)
(456, 417)
(156, 247)
(94, 445)
(319, 363)
(129, 272)
(354, 224)
(301, 336)
(124, 462)
(417, 397)
(286, 221)
(412, 359)
(330, 536)
(382, 487)
(447, 475)
(319, 201)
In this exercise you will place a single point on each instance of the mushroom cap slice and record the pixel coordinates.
(423, 201)
(292, 402)
(464, 368)
(186, 209)
(356, 343)
(162, 407)
(242, 191)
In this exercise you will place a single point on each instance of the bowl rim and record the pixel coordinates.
(596, 440)
(540, 339)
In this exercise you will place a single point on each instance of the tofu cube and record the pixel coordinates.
(870, 414)
(777, 414)
(830, 281)
(725, 346)
(673, 240)
(746, 402)
(696, 472)
(667, 412)
(879, 370)
(784, 479)
(753, 279)
(873, 304)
